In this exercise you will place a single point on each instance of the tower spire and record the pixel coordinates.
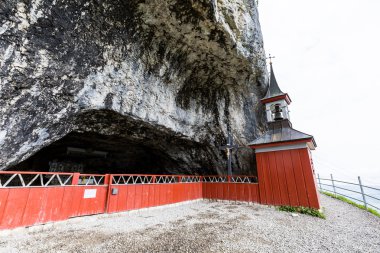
(273, 89)
(275, 100)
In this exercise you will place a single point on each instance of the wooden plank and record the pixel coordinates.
(299, 178)
(310, 181)
(200, 189)
(67, 200)
(14, 208)
(256, 196)
(192, 191)
(268, 181)
(54, 201)
(131, 197)
(151, 195)
(204, 190)
(233, 193)
(77, 199)
(157, 194)
(240, 192)
(114, 200)
(34, 210)
(290, 180)
(138, 196)
(177, 193)
(121, 199)
(274, 179)
(186, 193)
(282, 178)
(3, 201)
(261, 178)
(224, 191)
(253, 193)
(145, 196)
(169, 194)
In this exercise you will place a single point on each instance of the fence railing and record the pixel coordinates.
(230, 179)
(362, 194)
(16, 179)
(29, 198)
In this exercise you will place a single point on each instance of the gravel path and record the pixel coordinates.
(205, 227)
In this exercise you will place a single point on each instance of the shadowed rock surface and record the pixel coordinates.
(154, 84)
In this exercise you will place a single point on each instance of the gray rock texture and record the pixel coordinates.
(154, 83)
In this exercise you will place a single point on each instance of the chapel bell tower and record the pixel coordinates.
(276, 102)
(283, 154)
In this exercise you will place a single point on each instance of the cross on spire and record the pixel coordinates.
(270, 58)
(229, 147)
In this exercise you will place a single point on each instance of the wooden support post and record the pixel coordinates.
(75, 179)
(108, 182)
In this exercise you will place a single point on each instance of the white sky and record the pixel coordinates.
(327, 59)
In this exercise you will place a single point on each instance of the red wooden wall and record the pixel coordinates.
(137, 196)
(248, 192)
(286, 178)
(21, 207)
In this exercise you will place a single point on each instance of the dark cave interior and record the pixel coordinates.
(96, 153)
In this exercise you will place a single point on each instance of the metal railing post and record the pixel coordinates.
(333, 184)
(362, 191)
(319, 180)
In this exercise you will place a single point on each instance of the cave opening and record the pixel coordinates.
(103, 141)
(96, 153)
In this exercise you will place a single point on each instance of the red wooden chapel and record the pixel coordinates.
(284, 162)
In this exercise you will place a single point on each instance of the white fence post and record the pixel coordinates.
(361, 189)
(333, 184)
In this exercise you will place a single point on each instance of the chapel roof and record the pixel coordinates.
(273, 89)
(281, 131)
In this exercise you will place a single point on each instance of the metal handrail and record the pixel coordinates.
(373, 188)
(343, 195)
(372, 197)
(347, 189)
(338, 181)
(360, 185)
(366, 186)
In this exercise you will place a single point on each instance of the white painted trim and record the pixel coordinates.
(279, 148)
(311, 146)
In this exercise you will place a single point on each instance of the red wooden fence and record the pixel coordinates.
(128, 192)
(236, 188)
(28, 198)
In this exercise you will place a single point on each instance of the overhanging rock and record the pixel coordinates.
(183, 69)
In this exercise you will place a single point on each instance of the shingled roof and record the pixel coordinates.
(281, 131)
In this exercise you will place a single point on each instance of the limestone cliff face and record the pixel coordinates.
(157, 78)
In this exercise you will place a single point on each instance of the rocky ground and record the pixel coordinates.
(205, 227)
